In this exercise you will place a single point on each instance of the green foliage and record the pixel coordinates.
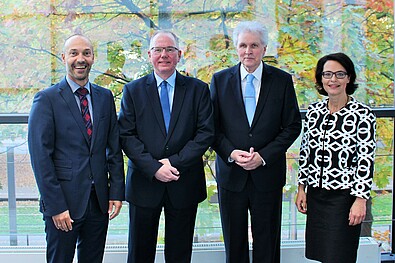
(303, 31)
(384, 152)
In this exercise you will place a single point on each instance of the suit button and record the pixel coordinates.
(166, 148)
(250, 135)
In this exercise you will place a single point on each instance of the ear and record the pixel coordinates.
(63, 58)
(179, 55)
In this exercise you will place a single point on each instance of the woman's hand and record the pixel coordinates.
(301, 200)
(357, 212)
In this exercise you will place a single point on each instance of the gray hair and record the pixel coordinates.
(151, 42)
(252, 27)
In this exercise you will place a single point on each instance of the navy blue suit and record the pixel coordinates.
(65, 163)
(276, 124)
(145, 141)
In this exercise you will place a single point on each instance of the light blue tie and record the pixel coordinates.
(164, 101)
(249, 98)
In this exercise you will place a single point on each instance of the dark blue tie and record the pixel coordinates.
(249, 98)
(164, 100)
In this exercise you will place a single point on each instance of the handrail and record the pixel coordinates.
(22, 118)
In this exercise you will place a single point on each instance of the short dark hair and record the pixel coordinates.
(346, 62)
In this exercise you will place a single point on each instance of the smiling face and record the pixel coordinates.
(164, 63)
(335, 87)
(78, 58)
(250, 50)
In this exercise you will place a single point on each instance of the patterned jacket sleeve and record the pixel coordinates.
(366, 147)
(304, 153)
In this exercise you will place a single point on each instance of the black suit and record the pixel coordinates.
(65, 164)
(276, 124)
(145, 141)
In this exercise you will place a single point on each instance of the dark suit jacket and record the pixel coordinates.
(276, 124)
(63, 162)
(144, 140)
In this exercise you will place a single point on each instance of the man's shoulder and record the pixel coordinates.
(231, 70)
(105, 94)
(275, 71)
(100, 89)
(54, 88)
(189, 79)
(140, 82)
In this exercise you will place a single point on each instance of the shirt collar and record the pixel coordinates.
(170, 80)
(257, 73)
(74, 86)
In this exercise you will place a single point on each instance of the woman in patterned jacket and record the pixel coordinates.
(336, 163)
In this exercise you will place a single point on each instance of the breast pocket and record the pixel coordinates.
(63, 170)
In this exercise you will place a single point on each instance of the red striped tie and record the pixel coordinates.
(86, 116)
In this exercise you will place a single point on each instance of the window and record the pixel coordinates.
(300, 32)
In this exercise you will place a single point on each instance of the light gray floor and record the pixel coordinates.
(291, 252)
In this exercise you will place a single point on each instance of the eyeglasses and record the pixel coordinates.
(159, 50)
(338, 74)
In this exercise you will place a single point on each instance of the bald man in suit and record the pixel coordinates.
(76, 158)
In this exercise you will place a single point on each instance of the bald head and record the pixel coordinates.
(78, 58)
(76, 36)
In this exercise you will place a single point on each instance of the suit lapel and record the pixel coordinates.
(153, 97)
(178, 100)
(97, 106)
(66, 93)
(266, 85)
(235, 86)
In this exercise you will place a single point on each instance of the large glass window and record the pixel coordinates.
(300, 32)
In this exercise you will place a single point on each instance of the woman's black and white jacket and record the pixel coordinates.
(337, 150)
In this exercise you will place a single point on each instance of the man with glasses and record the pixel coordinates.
(166, 125)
